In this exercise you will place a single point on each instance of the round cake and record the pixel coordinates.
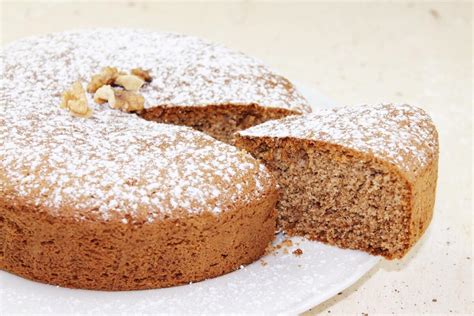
(114, 201)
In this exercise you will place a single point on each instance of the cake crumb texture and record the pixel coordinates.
(356, 177)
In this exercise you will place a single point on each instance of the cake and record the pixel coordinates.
(360, 177)
(133, 182)
(119, 201)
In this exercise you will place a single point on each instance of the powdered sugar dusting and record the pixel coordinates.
(401, 134)
(117, 165)
(187, 71)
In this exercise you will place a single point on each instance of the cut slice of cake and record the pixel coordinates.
(359, 177)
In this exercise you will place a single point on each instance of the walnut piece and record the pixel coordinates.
(75, 101)
(129, 82)
(107, 76)
(105, 94)
(144, 74)
(128, 101)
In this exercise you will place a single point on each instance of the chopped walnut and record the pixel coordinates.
(107, 76)
(128, 101)
(75, 101)
(144, 74)
(105, 94)
(129, 82)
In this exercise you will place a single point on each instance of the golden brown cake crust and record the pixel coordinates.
(115, 256)
(362, 177)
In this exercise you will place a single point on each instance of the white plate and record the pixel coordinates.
(283, 283)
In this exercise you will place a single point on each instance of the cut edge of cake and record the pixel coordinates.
(341, 186)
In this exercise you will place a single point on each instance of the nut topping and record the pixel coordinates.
(106, 77)
(128, 101)
(105, 94)
(144, 74)
(129, 82)
(75, 101)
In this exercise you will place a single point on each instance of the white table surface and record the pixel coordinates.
(353, 52)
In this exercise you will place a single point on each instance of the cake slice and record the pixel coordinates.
(359, 177)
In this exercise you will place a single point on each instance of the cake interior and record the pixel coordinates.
(337, 196)
(219, 121)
